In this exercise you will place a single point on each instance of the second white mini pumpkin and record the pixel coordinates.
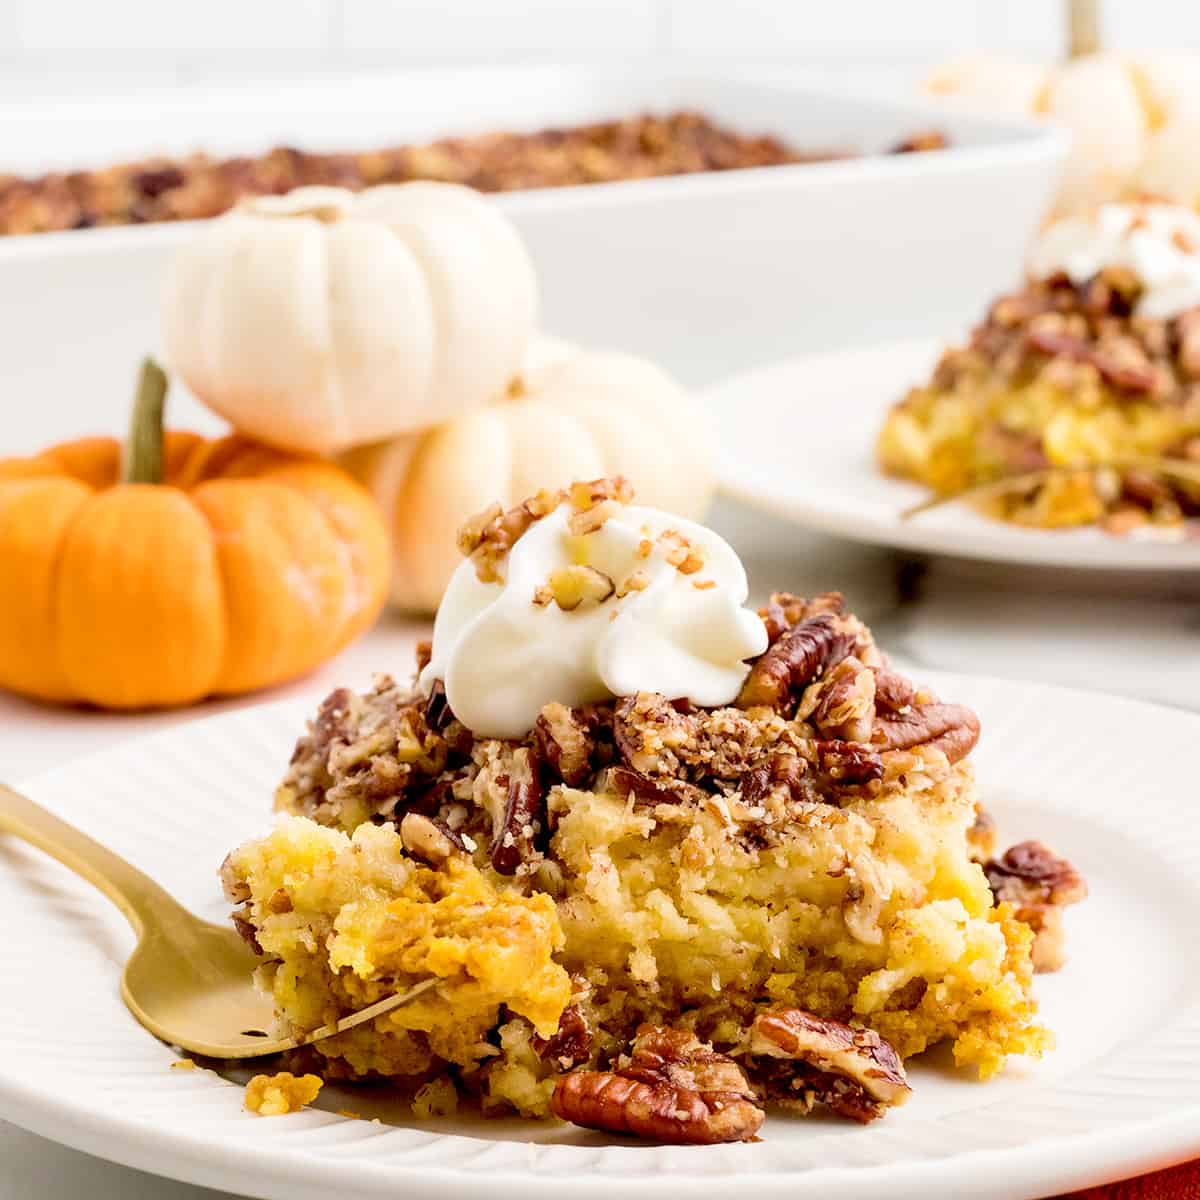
(573, 415)
(324, 319)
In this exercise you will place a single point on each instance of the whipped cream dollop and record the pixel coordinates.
(654, 603)
(1160, 243)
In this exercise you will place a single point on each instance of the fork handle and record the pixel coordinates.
(135, 894)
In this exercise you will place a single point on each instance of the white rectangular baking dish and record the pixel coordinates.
(707, 273)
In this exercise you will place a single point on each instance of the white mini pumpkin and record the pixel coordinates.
(1133, 118)
(323, 319)
(572, 415)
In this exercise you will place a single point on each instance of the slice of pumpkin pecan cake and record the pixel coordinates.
(736, 852)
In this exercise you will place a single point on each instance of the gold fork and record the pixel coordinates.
(188, 981)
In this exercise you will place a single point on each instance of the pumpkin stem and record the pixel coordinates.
(1083, 27)
(142, 457)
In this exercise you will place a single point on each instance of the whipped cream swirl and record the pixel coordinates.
(1159, 243)
(505, 649)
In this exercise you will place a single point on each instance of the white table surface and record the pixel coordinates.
(1137, 637)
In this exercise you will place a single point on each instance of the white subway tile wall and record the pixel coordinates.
(56, 46)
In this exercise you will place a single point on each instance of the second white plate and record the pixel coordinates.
(798, 439)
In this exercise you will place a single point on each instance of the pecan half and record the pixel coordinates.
(951, 728)
(854, 1072)
(798, 657)
(565, 742)
(1039, 885)
(515, 842)
(571, 1042)
(673, 1089)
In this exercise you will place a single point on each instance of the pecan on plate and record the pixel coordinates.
(798, 657)
(1039, 885)
(524, 820)
(951, 728)
(673, 1088)
(565, 741)
(571, 1042)
(802, 1060)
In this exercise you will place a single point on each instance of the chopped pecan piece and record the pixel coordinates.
(429, 839)
(852, 1071)
(247, 932)
(574, 586)
(951, 728)
(624, 781)
(1039, 885)
(334, 719)
(515, 842)
(848, 764)
(571, 1043)
(437, 708)
(565, 742)
(798, 657)
(844, 705)
(673, 1089)
(487, 537)
(783, 610)
(786, 771)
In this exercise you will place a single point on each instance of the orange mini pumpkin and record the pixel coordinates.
(179, 569)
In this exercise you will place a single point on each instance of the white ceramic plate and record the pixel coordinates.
(798, 439)
(1098, 777)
